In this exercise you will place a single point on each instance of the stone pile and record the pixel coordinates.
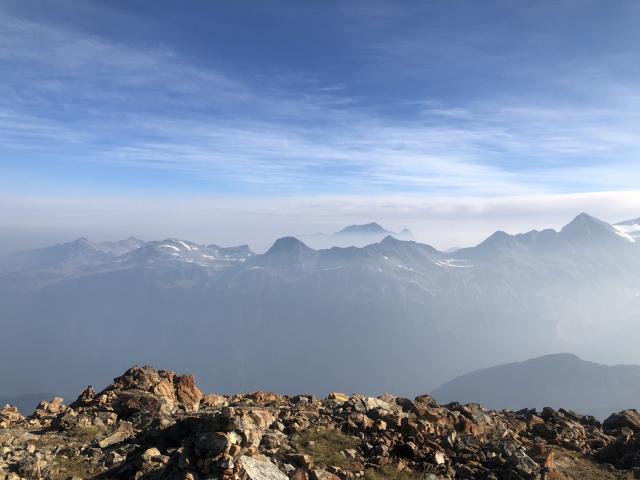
(154, 424)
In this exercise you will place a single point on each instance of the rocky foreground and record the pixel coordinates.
(153, 424)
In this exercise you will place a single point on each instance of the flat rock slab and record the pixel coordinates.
(260, 468)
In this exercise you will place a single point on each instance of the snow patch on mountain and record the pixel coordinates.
(629, 228)
(453, 263)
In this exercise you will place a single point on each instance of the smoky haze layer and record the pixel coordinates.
(391, 316)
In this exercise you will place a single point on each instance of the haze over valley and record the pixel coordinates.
(394, 315)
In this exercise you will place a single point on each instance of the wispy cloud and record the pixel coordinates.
(88, 99)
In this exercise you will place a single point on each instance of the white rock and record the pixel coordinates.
(260, 468)
(371, 402)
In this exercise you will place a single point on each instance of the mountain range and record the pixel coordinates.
(394, 315)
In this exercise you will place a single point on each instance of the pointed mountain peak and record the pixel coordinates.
(81, 243)
(585, 227)
(390, 240)
(586, 218)
(288, 246)
(497, 242)
(498, 238)
(586, 222)
(367, 228)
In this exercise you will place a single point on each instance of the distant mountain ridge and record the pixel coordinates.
(78, 256)
(394, 315)
(371, 228)
(119, 247)
(559, 380)
(354, 236)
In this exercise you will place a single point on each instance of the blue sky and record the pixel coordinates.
(271, 100)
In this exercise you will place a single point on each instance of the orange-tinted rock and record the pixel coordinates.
(214, 401)
(187, 393)
(10, 415)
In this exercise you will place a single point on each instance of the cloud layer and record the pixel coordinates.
(73, 100)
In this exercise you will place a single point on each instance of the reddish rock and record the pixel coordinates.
(187, 393)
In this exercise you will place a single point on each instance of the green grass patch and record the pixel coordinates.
(66, 468)
(325, 447)
(89, 433)
(576, 467)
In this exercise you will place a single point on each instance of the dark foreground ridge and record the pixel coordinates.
(154, 424)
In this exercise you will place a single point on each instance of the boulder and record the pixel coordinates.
(212, 444)
(50, 409)
(264, 398)
(323, 475)
(260, 468)
(187, 393)
(371, 403)
(128, 402)
(214, 401)
(124, 431)
(145, 389)
(299, 474)
(85, 397)
(10, 415)
(625, 419)
(338, 397)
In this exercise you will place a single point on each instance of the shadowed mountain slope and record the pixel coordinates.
(559, 380)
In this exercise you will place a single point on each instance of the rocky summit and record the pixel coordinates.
(154, 424)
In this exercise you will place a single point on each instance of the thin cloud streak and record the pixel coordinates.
(227, 131)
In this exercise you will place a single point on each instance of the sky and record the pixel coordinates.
(238, 122)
